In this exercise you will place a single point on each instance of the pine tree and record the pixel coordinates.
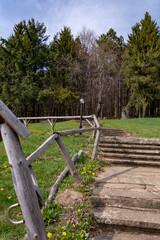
(24, 60)
(142, 65)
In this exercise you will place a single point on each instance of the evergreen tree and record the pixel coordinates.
(142, 65)
(62, 83)
(24, 61)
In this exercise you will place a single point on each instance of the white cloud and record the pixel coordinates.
(97, 15)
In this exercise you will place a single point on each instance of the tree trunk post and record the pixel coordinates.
(23, 185)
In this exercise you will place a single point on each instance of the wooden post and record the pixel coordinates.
(23, 185)
(95, 149)
(98, 133)
(26, 123)
(68, 160)
(52, 122)
(61, 176)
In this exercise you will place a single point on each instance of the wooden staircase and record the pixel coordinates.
(127, 193)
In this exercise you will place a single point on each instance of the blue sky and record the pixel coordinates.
(96, 15)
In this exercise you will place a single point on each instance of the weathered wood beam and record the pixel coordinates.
(60, 178)
(95, 149)
(54, 117)
(89, 122)
(68, 160)
(23, 185)
(12, 120)
(41, 149)
(73, 131)
(52, 122)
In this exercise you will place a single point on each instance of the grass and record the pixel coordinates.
(139, 127)
(62, 222)
(47, 168)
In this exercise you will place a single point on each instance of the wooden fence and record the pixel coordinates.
(25, 184)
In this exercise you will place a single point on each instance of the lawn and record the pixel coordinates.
(47, 168)
(138, 127)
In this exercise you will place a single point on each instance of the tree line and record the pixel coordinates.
(38, 77)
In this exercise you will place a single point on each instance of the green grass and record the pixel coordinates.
(139, 127)
(47, 168)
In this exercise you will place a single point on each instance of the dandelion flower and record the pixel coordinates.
(79, 210)
(2, 189)
(81, 185)
(9, 197)
(64, 234)
(49, 235)
(93, 173)
(81, 235)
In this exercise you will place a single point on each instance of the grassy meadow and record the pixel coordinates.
(138, 127)
(47, 168)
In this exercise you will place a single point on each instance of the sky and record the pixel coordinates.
(96, 15)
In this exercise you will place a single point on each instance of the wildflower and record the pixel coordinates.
(93, 173)
(81, 185)
(81, 235)
(49, 235)
(64, 234)
(79, 210)
(84, 168)
(9, 197)
(2, 189)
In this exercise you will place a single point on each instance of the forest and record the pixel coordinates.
(39, 77)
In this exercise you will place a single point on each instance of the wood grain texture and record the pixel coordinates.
(61, 177)
(68, 160)
(23, 185)
(13, 121)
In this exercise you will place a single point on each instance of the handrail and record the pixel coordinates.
(54, 117)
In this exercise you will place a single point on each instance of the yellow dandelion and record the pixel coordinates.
(9, 197)
(81, 235)
(64, 234)
(79, 210)
(2, 189)
(84, 168)
(81, 185)
(49, 235)
(93, 173)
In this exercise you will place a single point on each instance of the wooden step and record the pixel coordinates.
(135, 141)
(124, 156)
(128, 195)
(129, 151)
(131, 162)
(129, 146)
(128, 217)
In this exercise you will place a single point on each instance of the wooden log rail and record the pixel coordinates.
(24, 180)
(52, 119)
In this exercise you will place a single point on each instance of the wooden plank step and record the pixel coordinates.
(132, 151)
(130, 140)
(111, 233)
(130, 195)
(130, 156)
(129, 146)
(131, 162)
(128, 217)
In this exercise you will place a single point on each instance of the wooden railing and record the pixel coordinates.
(95, 127)
(24, 181)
